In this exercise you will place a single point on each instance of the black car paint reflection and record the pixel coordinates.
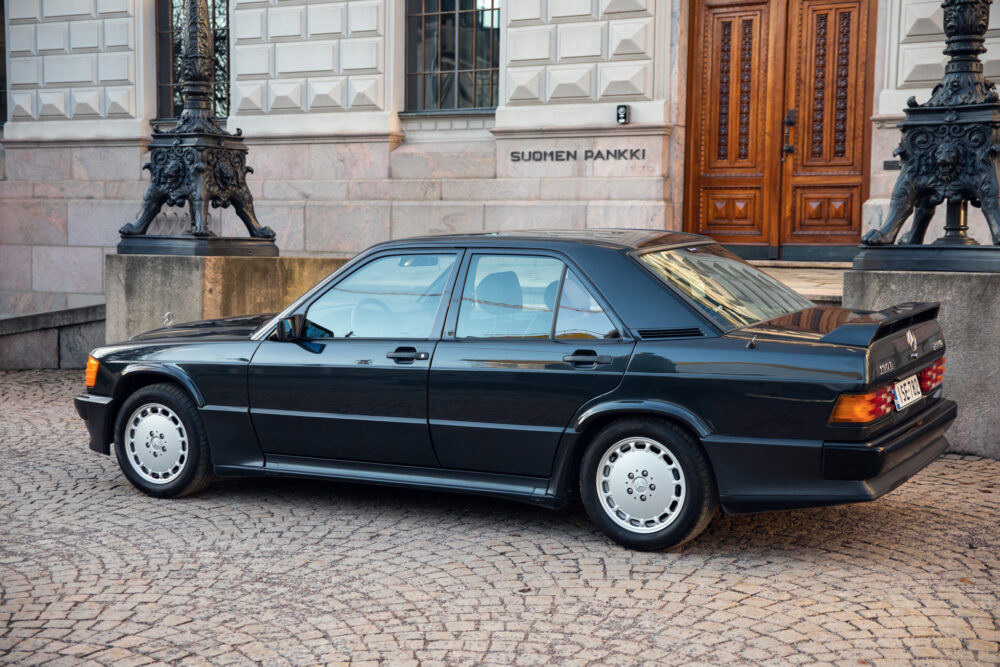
(509, 417)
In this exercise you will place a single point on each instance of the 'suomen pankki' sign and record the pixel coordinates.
(574, 155)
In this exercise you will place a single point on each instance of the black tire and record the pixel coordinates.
(699, 496)
(193, 468)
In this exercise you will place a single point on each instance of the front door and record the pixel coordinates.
(777, 142)
(355, 386)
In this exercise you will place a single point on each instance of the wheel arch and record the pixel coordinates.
(592, 419)
(136, 376)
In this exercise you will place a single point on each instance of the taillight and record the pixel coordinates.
(91, 375)
(932, 376)
(863, 408)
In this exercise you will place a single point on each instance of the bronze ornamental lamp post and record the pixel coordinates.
(950, 152)
(198, 163)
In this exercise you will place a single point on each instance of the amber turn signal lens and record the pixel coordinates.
(92, 366)
(863, 408)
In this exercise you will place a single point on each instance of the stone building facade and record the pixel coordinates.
(344, 157)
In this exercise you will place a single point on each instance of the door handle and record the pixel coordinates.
(587, 357)
(407, 355)
(789, 122)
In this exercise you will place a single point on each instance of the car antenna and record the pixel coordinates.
(752, 345)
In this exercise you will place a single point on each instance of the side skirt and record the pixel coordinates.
(532, 490)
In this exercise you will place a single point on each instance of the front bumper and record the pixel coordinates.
(97, 412)
(765, 475)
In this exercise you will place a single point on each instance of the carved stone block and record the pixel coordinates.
(571, 82)
(630, 38)
(325, 94)
(325, 20)
(525, 84)
(53, 104)
(285, 95)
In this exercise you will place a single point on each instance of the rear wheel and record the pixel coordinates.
(647, 484)
(160, 442)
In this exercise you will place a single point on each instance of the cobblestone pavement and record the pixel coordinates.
(290, 572)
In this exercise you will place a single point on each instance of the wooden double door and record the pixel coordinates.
(778, 139)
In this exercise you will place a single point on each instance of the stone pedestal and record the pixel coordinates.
(141, 289)
(970, 318)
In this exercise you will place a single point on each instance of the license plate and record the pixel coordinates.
(906, 392)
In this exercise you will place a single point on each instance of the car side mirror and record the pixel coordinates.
(291, 328)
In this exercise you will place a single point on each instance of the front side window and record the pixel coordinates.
(170, 49)
(391, 297)
(452, 54)
(730, 291)
(509, 296)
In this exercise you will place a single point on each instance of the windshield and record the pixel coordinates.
(729, 290)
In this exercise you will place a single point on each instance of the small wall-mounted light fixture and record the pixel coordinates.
(622, 114)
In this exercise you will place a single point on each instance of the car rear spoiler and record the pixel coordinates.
(870, 327)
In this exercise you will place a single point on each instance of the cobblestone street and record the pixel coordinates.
(292, 572)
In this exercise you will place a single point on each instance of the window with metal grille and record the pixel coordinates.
(452, 54)
(3, 70)
(170, 50)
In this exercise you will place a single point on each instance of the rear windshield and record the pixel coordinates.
(727, 289)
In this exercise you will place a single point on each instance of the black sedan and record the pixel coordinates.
(655, 374)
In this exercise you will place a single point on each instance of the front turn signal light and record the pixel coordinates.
(91, 376)
(863, 408)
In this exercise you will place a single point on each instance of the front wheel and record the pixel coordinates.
(647, 484)
(160, 442)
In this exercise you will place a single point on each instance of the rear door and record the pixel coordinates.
(356, 387)
(527, 342)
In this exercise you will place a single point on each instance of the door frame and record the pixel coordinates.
(774, 249)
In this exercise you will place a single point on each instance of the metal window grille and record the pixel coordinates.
(3, 69)
(452, 54)
(170, 49)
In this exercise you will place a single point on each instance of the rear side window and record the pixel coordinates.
(580, 315)
(509, 296)
(515, 296)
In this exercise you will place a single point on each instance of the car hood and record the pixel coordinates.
(228, 327)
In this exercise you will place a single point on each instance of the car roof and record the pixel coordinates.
(624, 239)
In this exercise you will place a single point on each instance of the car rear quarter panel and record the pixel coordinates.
(767, 390)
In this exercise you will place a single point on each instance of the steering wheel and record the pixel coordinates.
(360, 305)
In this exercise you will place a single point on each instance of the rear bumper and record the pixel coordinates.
(96, 411)
(893, 450)
(762, 475)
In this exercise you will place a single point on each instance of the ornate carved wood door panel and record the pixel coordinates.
(751, 62)
(823, 179)
(732, 149)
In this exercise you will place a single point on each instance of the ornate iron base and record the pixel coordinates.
(967, 259)
(203, 171)
(197, 246)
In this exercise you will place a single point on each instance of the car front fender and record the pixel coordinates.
(169, 371)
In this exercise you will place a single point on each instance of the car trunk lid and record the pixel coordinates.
(899, 339)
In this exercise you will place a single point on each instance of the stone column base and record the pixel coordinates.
(141, 289)
(970, 318)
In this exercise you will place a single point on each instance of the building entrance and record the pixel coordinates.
(778, 140)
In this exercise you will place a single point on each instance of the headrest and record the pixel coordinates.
(500, 293)
(550, 294)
